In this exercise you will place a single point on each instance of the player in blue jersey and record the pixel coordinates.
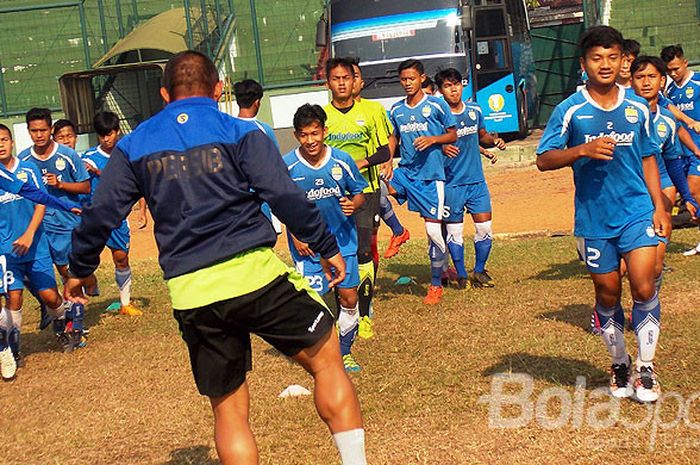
(25, 252)
(630, 51)
(330, 179)
(65, 133)
(422, 124)
(65, 178)
(605, 136)
(465, 185)
(684, 92)
(249, 94)
(106, 125)
(648, 75)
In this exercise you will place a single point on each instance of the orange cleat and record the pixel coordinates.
(396, 242)
(434, 295)
(130, 310)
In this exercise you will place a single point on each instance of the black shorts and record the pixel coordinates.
(218, 335)
(367, 216)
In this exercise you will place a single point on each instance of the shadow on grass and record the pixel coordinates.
(419, 273)
(557, 271)
(558, 370)
(578, 315)
(195, 455)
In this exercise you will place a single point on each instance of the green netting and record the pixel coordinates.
(658, 23)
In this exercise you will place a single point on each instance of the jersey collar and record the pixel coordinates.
(425, 97)
(620, 98)
(460, 112)
(53, 152)
(102, 152)
(324, 161)
(15, 166)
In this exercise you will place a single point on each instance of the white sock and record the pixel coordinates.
(16, 318)
(348, 319)
(351, 445)
(123, 278)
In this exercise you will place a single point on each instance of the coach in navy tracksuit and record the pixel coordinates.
(204, 175)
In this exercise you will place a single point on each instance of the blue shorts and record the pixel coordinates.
(472, 198)
(59, 246)
(38, 272)
(663, 174)
(603, 255)
(692, 165)
(313, 272)
(425, 197)
(120, 238)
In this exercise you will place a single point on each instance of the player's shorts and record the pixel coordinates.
(367, 216)
(472, 198)
(603, 255)
(313, 272)
(425, 197)
(38, 272)
(663, 174)
(120, 238)
(284, 313)
(692, 165)
(59, 246)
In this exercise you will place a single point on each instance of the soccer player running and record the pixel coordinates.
(196, 167)
(106, 125)
(352, 128)
(465, 185)
(399, 234)
(65, 178)
(684, 92)
(25, 255)
(331, 180)
(422, 124)
(648, 76)
(605, 136)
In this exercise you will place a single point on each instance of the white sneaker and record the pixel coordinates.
(694, 251)
(620, 386)
(8, 365)
(646, 386)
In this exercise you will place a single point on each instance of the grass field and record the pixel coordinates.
(129, 397)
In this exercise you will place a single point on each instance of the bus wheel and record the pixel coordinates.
(523, 129)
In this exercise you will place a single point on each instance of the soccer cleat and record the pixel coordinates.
(19, 360)
(8, 365)
(351, 366)
(365, 330)
(449, 275)
(481, 280)
(694, 251)
(646, 386)
(434, 295)
(396, 242)
(130, 310)
(462, 283)
(620, 379)
(46, 319)
(64, 342)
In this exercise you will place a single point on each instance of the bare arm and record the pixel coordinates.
(687, 140)
(598, 149)
(662, 221)
(70, 187)
(694, 125)
(487, 140)
(423, 142)
(24, 242)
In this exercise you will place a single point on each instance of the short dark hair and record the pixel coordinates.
(411, 63)
(600, 36)
(428, 83)
(448, 75)
(5, 128)
(671, 52)
(105, 122)
(247, 92)
(643, 60)
(64, 123)
(308, 114)
(338, 61)
(190, 73)
(43, 114)
(631, 47)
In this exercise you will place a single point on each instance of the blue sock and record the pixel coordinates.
(612, 327)
(437, 259)
(13, 340)
(457, 254)
(347, 340)
(482, 250)
(3, 339)
(646, 320)
(76, 314)
(387, 213)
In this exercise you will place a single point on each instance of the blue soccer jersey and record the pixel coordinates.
(686, 97)
(65, 163)
(16, 213)
(266, 128)
(97, 158)
(430, 117)
(609, 194)
(466, 168)
(336, 177)
(666, 131)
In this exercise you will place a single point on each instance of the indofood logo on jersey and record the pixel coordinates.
(467, 130)
(496, 102)
(323, 193)
(60, 164)
(413, 127)
(620, 138)
(662, 130)
(690, 106)
(689, 92)
(343, 137)
(631, 115)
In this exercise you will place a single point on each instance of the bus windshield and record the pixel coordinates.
(431, 33)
